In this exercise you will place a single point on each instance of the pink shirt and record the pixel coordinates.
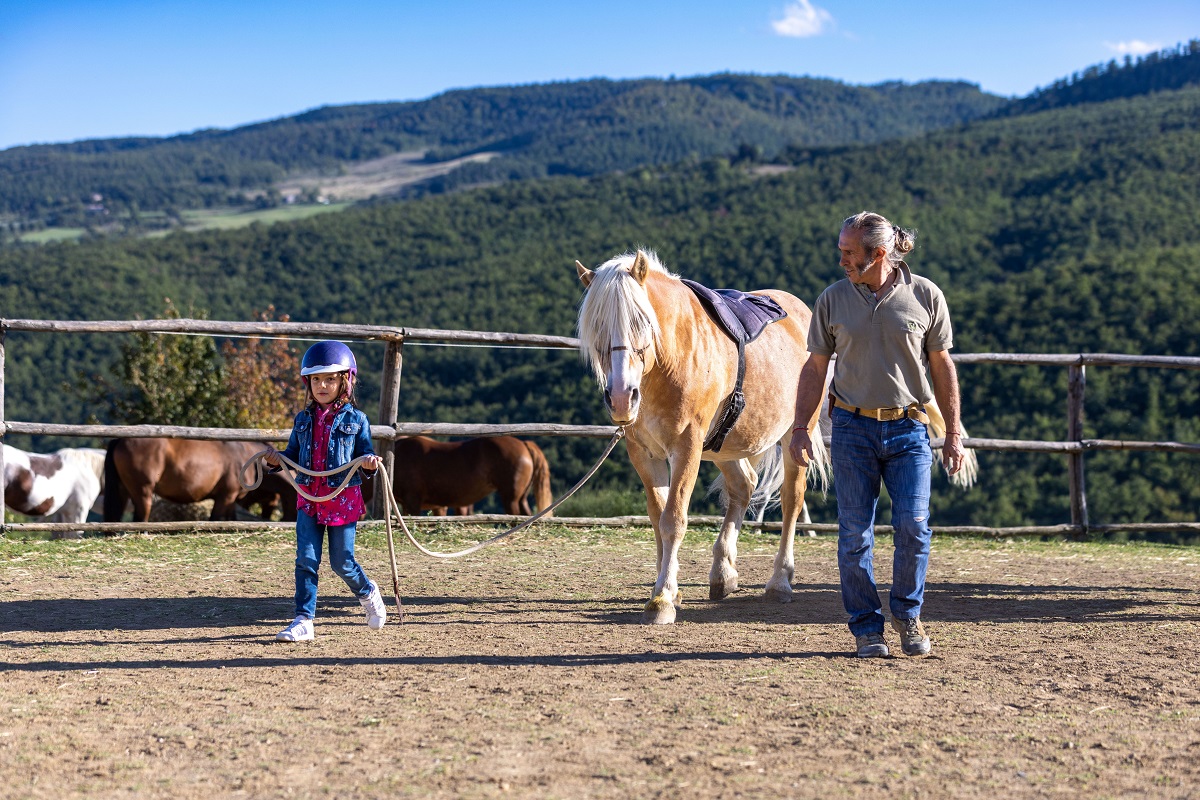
(348, 506)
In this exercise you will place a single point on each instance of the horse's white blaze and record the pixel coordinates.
(623, 384)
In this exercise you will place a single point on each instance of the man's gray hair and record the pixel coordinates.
(878, 231)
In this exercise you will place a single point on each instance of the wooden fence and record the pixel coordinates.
(388, 428)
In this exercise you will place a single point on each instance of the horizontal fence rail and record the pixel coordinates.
(385, 432)
(1081, 360)
(391, 428)
(402, 429)
(322, 330)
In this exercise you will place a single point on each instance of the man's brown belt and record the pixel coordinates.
(886, 414)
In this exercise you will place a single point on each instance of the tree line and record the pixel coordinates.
(580, 128)
(574, 128)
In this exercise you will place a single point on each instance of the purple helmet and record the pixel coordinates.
(328, 356)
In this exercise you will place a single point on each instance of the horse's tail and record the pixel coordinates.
(965, 477)
(114, 490)
(770, 478)
(820, 469)
(542, 495)
(766, 490)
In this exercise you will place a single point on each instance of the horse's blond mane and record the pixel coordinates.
(616, 307)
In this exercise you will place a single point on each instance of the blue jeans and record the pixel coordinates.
(863, 452)
(310, 535)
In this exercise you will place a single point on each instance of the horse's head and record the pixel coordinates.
(618, 329)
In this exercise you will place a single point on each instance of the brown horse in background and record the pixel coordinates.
(271, 495)
(429, 473)
(445, 511)
(179, 470)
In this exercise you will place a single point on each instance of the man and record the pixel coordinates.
(891, 333)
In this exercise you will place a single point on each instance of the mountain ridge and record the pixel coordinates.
(580, 128)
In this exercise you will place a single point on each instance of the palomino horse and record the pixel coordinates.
(62, 485)
(179, 470)
(666, 370)
(429, 473)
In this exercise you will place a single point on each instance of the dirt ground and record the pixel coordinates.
(146, 666)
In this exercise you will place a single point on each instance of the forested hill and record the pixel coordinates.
(1173, 68)
(1072, 230)
(579, 128)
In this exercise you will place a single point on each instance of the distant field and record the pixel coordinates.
(226, 218)
(52, 235)
(201, 220)
(375, 178)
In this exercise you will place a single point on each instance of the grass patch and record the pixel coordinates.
(48, 235)
(228, 218)
(604, 503)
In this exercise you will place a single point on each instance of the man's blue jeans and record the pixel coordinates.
(310, 535)
(863, 452)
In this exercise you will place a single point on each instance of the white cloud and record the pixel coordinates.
(1134, 47)
(802, 19)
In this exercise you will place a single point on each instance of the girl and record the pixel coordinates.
(329, 433)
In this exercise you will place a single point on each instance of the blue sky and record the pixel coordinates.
(82, 69)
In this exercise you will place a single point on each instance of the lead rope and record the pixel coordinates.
(391, 506)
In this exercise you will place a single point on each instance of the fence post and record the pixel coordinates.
(3, 515)
(389, 408)
(1076, 380)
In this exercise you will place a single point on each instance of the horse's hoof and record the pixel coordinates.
(720, 590)
(659, 611)
(722, 582)
(777, 594)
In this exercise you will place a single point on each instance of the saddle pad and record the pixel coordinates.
(742, 316)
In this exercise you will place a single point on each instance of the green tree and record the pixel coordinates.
(171, 380)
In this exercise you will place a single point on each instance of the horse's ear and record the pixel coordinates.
(584, 274)
(640, 268)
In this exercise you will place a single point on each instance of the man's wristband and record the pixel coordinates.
(953, 433)
(800, 428)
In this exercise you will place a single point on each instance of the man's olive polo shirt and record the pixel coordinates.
(881, 346)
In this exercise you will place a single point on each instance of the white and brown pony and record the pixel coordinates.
(61, 486)
(666, 370)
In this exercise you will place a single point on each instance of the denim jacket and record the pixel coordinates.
(349, 438)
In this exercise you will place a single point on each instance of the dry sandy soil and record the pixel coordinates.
(146, 666)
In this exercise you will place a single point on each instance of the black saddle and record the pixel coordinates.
(742, 317)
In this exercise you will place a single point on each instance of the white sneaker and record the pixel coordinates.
(376, 610)
(301, 630)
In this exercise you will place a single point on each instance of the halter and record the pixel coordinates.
(640, 352)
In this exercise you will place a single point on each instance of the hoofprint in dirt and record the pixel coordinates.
(147, 666)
